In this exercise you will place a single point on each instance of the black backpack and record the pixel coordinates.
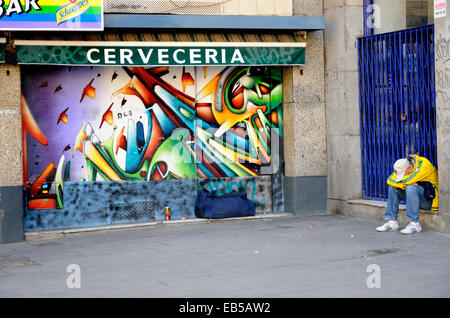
(429, 192)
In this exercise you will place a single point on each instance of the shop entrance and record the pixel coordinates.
(110, 145)
(397, 103)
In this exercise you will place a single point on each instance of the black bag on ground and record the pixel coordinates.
(211, 206)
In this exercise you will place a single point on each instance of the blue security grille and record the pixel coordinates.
(397, 103)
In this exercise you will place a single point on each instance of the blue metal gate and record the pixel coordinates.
(397, 103)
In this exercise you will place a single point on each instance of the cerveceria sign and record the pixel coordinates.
(161, 56)
(156, 53)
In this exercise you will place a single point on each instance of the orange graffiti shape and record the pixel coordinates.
(121, 141)
(108, 116)
(29, 125)
(79, 140)
(36, 186)
(186, 80)
(63, 117)
(88, 91)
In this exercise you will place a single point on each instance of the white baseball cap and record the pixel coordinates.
(400, 167)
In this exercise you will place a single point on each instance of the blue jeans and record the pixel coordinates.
(414, 202)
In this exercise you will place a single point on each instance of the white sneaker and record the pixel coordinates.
(412, 227)
(390, 225)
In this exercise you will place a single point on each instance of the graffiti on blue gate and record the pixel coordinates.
(227, 186)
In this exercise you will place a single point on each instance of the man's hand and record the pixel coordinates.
(414, 184)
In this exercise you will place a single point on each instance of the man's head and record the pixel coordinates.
(402, 167)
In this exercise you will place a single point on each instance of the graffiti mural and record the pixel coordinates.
(141, 124)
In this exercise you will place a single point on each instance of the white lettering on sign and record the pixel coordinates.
(223, 56)
(164, 56)
(440, 8)
(110, 56)
(15, 6)
(89, 56)
(194, 54)
(211, 55)
(126, 54)
(176, 56)
(237, 57)
(145, 58)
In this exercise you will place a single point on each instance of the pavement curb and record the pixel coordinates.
(41, 235)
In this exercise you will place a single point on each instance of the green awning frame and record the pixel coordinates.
(2, 50)
(181, 49)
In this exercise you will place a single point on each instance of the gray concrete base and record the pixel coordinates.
(305, 195)
(43, 235)
(375, 210)
(11, 214)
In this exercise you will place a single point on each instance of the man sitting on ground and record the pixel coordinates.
(415, 180)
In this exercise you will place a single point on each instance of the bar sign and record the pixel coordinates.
(440, 8)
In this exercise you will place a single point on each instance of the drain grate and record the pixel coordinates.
(18, 262)
(135, 211)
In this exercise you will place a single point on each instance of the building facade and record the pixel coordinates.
(91, 139)
(114, 126)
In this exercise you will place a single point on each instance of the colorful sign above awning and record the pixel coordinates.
(43, 15)
(159, 53)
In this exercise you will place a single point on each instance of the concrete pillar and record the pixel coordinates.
(442, 66)
(11, 180)
(344, 19)
(305, 122)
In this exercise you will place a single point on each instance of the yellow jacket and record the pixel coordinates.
(423, 171)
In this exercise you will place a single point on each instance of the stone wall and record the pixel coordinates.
(344, 20)
(11, 194)
(305, 123)
(442, 66)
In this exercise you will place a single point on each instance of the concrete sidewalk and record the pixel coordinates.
(305, 256)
